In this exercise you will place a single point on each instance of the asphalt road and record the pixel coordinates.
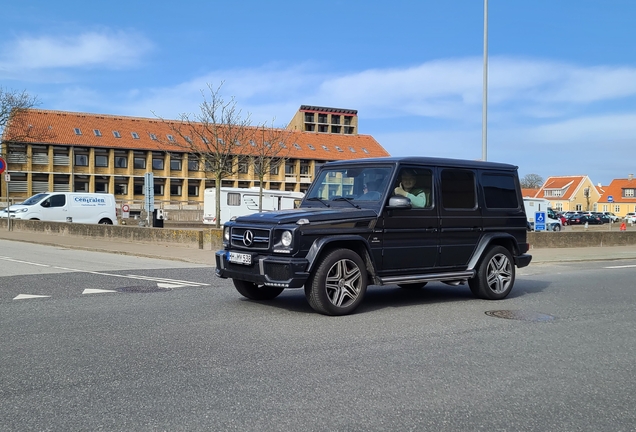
(168, 346)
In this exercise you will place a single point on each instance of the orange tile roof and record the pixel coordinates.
(529, 193)
(615, 190)
(569, 182)
(58, 128)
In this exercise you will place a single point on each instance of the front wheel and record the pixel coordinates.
(495, 275)
(339, 283)
(256, 292)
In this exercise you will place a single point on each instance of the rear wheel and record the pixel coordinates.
(339, 283)
(105, 222)
(256, 292)
(495, 275)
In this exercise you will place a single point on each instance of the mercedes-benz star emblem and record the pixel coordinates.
(248, 238)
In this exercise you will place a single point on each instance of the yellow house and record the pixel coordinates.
(570, 193)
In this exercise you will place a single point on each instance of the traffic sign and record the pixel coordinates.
(610, 198)
(539, 221)
(3, 165)
(125, 208)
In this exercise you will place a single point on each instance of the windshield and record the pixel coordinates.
(34, 199)
(360, 185)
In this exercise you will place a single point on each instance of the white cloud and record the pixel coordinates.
(112, 50)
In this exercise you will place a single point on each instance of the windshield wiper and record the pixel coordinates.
(347, 200)
(319, 199)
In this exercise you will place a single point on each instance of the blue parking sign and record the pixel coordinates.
(540, 219)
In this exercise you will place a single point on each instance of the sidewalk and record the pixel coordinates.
(201, 256)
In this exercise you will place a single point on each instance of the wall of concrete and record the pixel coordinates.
(210, 238)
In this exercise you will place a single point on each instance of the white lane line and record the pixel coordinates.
(28, 296)
(148, 278)
(97, 291)
(23, 262)
(623, 266)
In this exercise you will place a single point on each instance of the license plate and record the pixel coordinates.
(239, 258)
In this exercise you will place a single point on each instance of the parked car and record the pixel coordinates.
(582, 219)
(630, 218)
(611, 216)
(604, 218)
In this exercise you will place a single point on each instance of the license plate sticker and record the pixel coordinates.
(239, 258)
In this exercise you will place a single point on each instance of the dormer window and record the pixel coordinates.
(325, 148)
(365, 150)
(352, 150)
(153, 137)
(78, 131)
(170, 138)
(311, 147)
(338, 148)
(97, 132)
(116, 134)
(297, 146)
(135, 135)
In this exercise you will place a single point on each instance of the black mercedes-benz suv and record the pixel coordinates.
(384, 221)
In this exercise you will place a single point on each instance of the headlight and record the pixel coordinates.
(23, 210)
(226, 234)
(286, 238)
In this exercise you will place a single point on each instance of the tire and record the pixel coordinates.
(495, 275)
(556, 227)
(413, 286)
(255, 292)
(105, 222)
(338, 284)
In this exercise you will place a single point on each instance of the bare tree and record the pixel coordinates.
(214, 135)
(13, 103)
(268, 152)
(531, 181)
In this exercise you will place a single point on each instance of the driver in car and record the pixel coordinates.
(407, 188)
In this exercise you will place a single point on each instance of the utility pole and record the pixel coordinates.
(484, 108)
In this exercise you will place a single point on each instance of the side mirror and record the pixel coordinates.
(399, 202)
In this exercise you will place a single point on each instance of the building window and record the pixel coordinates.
(175, 163)
(335, 119)
(347, 120)
(617, 208)
(159, 188)
(138, 187)
(121, 188)
(348, 130)
(323, 128)
(310, 127)
(304, 168)
(81, 160)
(322, 118)
(243, 167)
(157, 162)
(309, 117)
(78, 131)
(101, 160)
(297, 146)
(193, 164)
(97, 132)
(193, 190)
(352, 150)
(311, 147)
(153, 137)
(170, 138)
(324, 147)
(290, 168)
(628, 193)
(116, 134)
(121, 162)
(365, 150)
(335, 129)
(135, 135)
(274, 169)
(175, 189)
(578, 207)
(140, 162)
(101, 185)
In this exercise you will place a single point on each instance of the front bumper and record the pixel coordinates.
(267, 270)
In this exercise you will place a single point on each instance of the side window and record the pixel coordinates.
(458, 189)
(417, 185)
(500, 191)
(233, 199)
(55, 201)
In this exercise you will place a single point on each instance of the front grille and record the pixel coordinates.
(259, 238)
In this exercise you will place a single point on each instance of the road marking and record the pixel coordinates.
(28, 296)
(623, 266)
(148, 278)
(97, 291)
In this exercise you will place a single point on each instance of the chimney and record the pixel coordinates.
(630, 177)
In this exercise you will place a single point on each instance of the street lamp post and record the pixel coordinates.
(484, 108)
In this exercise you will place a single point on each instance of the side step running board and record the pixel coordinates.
(444, 277)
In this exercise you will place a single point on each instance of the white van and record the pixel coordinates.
(77, 207)
(243, 201)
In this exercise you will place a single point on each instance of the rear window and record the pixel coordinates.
(500, 191)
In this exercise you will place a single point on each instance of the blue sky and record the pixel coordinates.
(562, 74)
